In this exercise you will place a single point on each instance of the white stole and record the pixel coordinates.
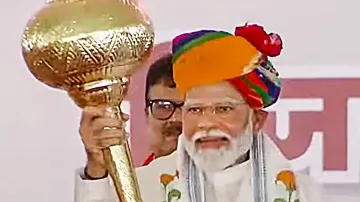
(281, 184)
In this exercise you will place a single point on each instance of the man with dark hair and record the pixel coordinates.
(163, 109)
(163, 104)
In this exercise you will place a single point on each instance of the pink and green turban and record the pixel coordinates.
(209, 56)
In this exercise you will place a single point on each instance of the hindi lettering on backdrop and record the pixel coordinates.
(316, 119)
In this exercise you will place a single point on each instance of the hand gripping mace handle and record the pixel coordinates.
(121, 169)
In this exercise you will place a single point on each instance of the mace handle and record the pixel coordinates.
(120, 166)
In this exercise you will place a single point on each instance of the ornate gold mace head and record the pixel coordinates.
(84, 45)
(90, 48)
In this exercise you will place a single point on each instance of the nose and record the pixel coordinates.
(207, 122)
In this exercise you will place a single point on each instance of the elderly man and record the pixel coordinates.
(227, 81)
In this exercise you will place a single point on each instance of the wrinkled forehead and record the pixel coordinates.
(213, 93)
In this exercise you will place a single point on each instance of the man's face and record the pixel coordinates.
(218, 125)
(164, 118)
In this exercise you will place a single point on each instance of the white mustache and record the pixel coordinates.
(211, 133)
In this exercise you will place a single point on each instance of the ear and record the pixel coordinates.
(259, 120)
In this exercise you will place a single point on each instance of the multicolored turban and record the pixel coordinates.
(209, 56)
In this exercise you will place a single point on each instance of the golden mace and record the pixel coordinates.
(91, 48)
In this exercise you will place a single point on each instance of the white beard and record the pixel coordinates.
(211, 160)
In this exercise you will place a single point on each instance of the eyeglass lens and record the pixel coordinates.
(162, 109)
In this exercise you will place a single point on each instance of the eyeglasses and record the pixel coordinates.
(223, 110)
(163, 109)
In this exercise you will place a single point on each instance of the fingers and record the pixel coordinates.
(100, 129)
(104, 139)
(109, 138)
(111, 133)
(90, 113)
(100, 124)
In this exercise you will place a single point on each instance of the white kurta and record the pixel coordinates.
(230, 185)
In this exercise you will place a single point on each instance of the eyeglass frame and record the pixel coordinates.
(149, 104)
(213, 108)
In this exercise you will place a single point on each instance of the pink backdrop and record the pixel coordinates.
(316, 123)
(139, 137)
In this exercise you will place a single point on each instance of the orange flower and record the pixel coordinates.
(287, 177)
(165, 179)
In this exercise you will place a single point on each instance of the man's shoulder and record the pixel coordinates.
(160, 165)
(152, 177)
